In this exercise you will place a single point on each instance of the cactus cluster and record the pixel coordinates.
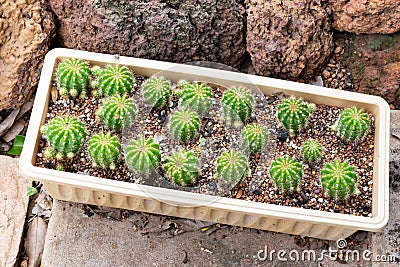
(157, 92)
(143, 155)
(117, 111)
(197, 96)
(353, 124)
(232, 166)
(339, 179)
(311, 151)
(294, 113)
(287, 173)
(182, 167)
(237, 104)
(184, 125)
(114, 80)
(104, 150)
(254, 138)
(65, 135)
(73, 77)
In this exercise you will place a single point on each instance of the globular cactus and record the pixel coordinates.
(182, 167)
(96, 70)
(104, 150)
(311, 150)
(237, 104)
(72, 77)
(184, 125)
(49, 153)
(232, 166)
(294, 113)
(157, 92)
(117, 111)
(65, 135)
(143, 155)
(339, 179)
(197, 97)
(254, 138)
(353, 124)
(286, 173)
(114, 80)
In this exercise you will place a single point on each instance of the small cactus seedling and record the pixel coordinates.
(293, 113)
(104, 150)
(143, 155)
(311, 150)
(254, 138)
(73, 77)
(184, 125)
(197, 96)
(237, 103)
(117, 111)
(66, 135)
(286, 173)
(49, 153)
(353, 124)
(96, 70)
(339, 179)
(232, 166)
(157, 92)
(182, 167)
(115, 80)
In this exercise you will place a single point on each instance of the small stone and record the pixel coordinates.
(326, 74)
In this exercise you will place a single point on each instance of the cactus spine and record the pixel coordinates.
(143, 155)
(339, 179)
(232, 166)
(73, 77)
(104, 150)
(184, 125)
(117, 111)
(311, 150)
(293, 113)
(197, 96)
(65, 135)
(353, 124)
(254, 137)
(157, 92)
(114, 80)
(182, 167)
(286, 173)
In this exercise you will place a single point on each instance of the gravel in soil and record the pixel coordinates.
(214, 137)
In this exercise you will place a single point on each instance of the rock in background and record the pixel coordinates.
(366, 16)
(178, 31)
(26, 28)
(288, 38)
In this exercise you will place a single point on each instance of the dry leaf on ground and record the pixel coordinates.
(34, 242)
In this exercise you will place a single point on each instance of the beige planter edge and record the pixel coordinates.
(299, 221)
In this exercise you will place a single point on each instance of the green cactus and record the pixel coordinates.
(293, 113)
(254, 138)
(114, 80)
(232, 166)
(286, 173)
(353, 124)
(184, 125)
(197, 97)
(237, 104)
(117, 111)
(66, 135)
(49, 153)
(157, 92)
(104, 150)
(73, 77)
(96, 71)
(182, 167)
(311, 150)
(339, 179)
(143, 155)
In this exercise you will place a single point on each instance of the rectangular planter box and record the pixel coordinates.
(105, 192)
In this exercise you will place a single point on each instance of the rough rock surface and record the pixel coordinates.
(13, 205)
(288, 39)
(366, 16)
(26, 28)
(169, 30)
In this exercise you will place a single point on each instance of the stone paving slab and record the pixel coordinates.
(13, 206)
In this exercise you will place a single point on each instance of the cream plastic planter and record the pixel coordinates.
(106, 192)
